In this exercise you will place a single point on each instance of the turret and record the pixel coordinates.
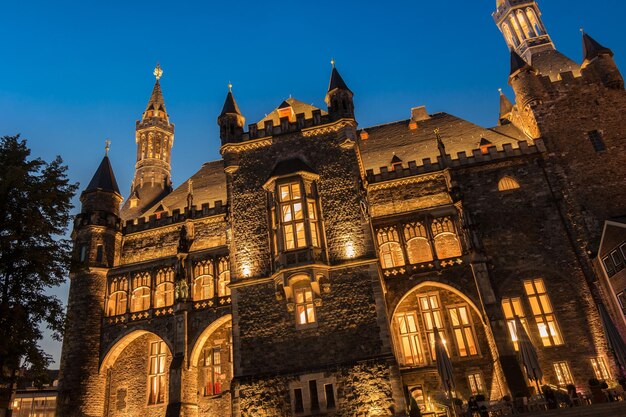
(155, 138)
(520, 23)
(599, 60)
(97, 241)
(230, 120)
(339, 97)
(525, 82)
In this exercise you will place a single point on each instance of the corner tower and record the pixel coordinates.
(230, 120)
(520, 23)
(97, 241)
(339, 97)
(155, 138)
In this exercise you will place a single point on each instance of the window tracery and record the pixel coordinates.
(118, 296)
(390, 249)
(164, 294)
(141, 292)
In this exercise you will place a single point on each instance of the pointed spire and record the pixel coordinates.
(506, 107)
(336, 82)
(230, 105)
(156, 104)
(518, 64)
(103, 179)
(592, 49)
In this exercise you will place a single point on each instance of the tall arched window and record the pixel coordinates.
(534, 22)
(507, 183)
(390, 250)
(118, 296)
(203, 286)
(446, 241)
(141, 292)
(510, 37)
(223, 277)
(522, 21)
(417, 243)
(164, 288)
(516, 28)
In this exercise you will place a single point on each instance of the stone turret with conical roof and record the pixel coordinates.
(506, 108)
(230, 120)
(599, 60)
(97, 239)
(155, 139)
(339, 97)
(525, 81)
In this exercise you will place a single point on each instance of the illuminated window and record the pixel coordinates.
(223, 277)
(117, 302)
(542, 310)
(463, 331)
(212, 361)
(409, 336)
(515, 26)
(513, 307)
(511, 38)
(599, 368)
(446, 242)
(390, 249)
(417, 243)
(313, 224)
(563, 374)
(534, 22)
(507, 183)
(475, 382)
(156, 375)
(203, 287)
(292, 215)
(305, 308)
(141, 292)
(431, 314)
(164, 295)
(524, 24)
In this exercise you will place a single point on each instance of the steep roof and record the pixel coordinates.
(591, 48)
(156, 102)
(505, 105)
(290, 166)
(336, 81)
(104, 178)
(551, 63)
(408, 144)
(297, 106)
(517, 63)
(230, 105)
(208, 184)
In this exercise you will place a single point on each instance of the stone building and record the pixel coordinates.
(304, 273)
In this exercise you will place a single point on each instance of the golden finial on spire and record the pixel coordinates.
(230, 87)
(107, 146)
(158, 72)
(332, 62)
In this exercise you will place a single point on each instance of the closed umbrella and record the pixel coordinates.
(444, 366)
(616, 343)
(528, 354)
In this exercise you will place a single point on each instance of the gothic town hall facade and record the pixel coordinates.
(304, 273)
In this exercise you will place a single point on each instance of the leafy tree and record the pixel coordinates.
(35, 200)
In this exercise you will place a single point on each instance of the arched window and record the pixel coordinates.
(304, 304)
(510, 37)
(522, 21)
(390, 250)
(516, 28)
(203, 287)
(164, 288)
(141, 292)
(118, 296)
(223, 277)
(534, 22)
(446, 241)
(417, 243)
(507, 183)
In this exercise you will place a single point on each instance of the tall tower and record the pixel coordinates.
(230, 120)
(520, 23)
(155, 138)
(339, 97)
(97, 241)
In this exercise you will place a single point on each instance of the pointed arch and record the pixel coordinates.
(194, 358)
(124, 341)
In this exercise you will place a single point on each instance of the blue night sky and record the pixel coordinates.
(75, 73)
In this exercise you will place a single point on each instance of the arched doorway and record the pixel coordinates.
(467, 339)
(137, 369)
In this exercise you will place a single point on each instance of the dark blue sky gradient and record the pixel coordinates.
(75, 73)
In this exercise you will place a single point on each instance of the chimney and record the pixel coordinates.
(419, 113)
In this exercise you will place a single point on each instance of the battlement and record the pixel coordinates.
(166, 217)
(460, 160)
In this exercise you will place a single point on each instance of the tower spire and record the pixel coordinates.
(339, 96)
(520, 23)
(230, 120)
(506, 107)
(154, 137)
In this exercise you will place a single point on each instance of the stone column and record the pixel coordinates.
(183, 401)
